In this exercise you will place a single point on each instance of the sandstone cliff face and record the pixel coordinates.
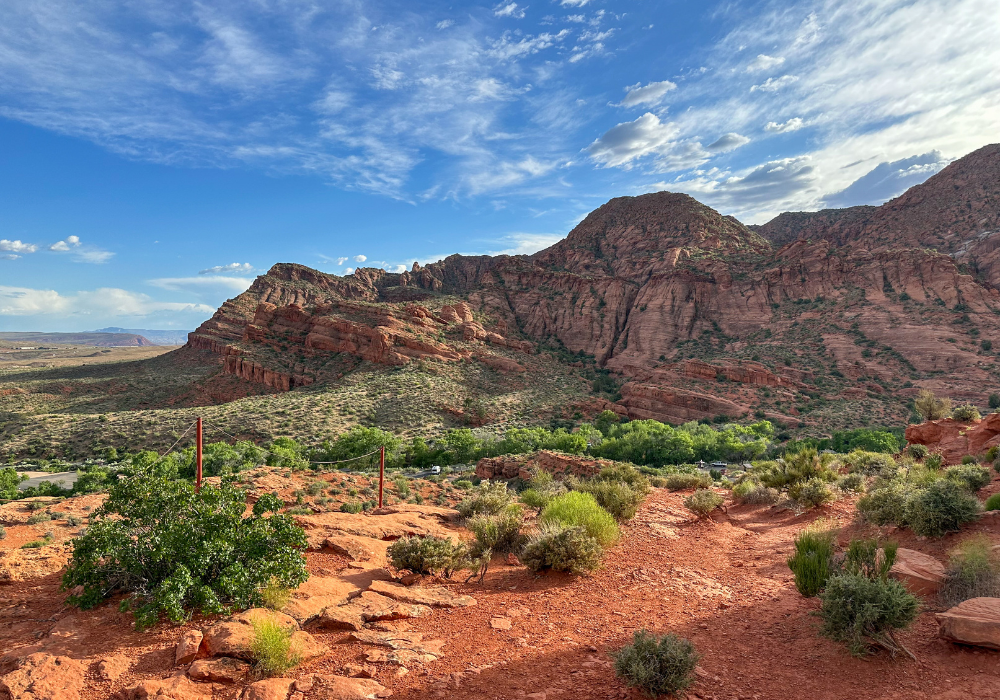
(699, 315)
(954, 439)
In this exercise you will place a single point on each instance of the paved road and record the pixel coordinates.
(63, 479)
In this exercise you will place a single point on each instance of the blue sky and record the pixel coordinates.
(155, 156)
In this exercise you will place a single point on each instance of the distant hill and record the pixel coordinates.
(96, 339)
(155, 337)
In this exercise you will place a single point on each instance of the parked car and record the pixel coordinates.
(435, 469)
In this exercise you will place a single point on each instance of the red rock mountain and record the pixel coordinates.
(828, 318)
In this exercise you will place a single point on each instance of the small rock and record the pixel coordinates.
(500, 623)
(44, 677)
(341, 688)
(355, 671)
(112, 668)
(305, 684)
(435, 596)
(269, 689)
(178, 687)
(220, 670)
(187, 647)
(234, 636)
(975, 622)
(920, 573)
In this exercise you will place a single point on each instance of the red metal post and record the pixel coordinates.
(381, 474)
(197, 483)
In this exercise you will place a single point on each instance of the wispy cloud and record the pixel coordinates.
(648, 95)
(104, 302)
(80, 252)
(230, 269)
(209, 282)
(509, 9)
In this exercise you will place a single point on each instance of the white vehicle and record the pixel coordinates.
(435, 469)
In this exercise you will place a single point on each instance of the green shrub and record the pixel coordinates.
(942, 507)
(917, 451)
(933, 461)
(659, 482)
(581, 509)
(751, 492)
(972, 477)
(3, 532)
(274, 595)
(402, 486)
(685, 482)
(352, 507)
(533, 498)
(703, 502)
(620, 499)
(851, 483)
(39, 517)
(272, 648)
(37, 544)
(812, 493)
(812, 561)
(463, 484)
(625, 474)
(969, 459)
(866, 558)
(862, 612)
(562, 548)
(991, 453)
(489, 498)
(73, 521)
(173, 549)
(885, 505)
(871, 464)
(966, 413)
(498, 532)
(316, 487)
(993, 502)
(657, 665)
(973, 572)
(428, 555)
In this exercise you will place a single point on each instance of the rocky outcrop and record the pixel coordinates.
(974, 622)
(920, 573)
(954, 439)
(525, 466)
(669, 405)
(44, 677)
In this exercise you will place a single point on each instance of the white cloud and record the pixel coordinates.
(231, 268)
(104, 302)
(650, 94)
(764, 62)
(579, 19)
(225, 283)
(624, 143)
(66, 245)
(728, 142)
(9, 256)
(341, 261)
(793, 124)
(887, 180)
(508, 47)
(509, 10)
(444, 24)
(774, 84)
(348, 271)
(509, 173)
(82, 253)
(573, 3)
(17, 247)
(360, 258)
(398, 268)
(526, 243)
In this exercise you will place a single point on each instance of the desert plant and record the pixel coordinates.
(3, 532)
(885, 505)
(619, 498)
(626, 474)
(931, 407)
(352, 507)
(581, 509)
(969, 459)
(970, 476)
(271, 648)
(867, 558)
(498, 532)
(942, 507)
(657, 665)
(702, 502)
(871, 464)
(851, 483)
(933, 461)
(993, 502)
(428, 555)
(966, 413)
(864, 612)
(659, 482)
(812, 561)
(489, 498)
(562, 548)
(684, 482)
(812, 493)
(172, 549)
(463, 484)
(917, 451)
(73, 520)
(274, 595)
(402, 486)
(973, 571)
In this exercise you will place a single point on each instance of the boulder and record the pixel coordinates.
(975, 622)
(317, 593)
(43, 676)
(436, 596)
(404, 647)
(338, 617)
(269, 689)
(342, 688)
(113, 667)
(221, 670)
(177, 687)
(363, 550)
(920, 573)
(234, 636)
(187, 647)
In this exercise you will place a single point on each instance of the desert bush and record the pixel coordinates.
(966, 413)
(991, 453)
(917, 451)
(795, 468)
(812, 493)
(626, 474)
(659, 482)
(3, 532)
(851, 483)
(562, 548)
(972, 477)
(812, 561)
(993, 502)
(498, 532)
(73, 520)
(657, 665)
(942, 507)
(489, 498)
(316, 487)
(931, 407)
(9, 479)
(171, 549)
(402, 486)
(871, 464)
(619, 498)
(581, 509)
(274, 595)
(863, 612)
(702, 502)
(463, 484)
(38, 517)
(885, 505)
(352, 507)
(271, 648)
(867, 558)
(933, 461)
(684, 482)
(973, 571)
(969, 459)
(428, 555)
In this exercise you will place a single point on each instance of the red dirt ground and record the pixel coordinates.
(723, 584)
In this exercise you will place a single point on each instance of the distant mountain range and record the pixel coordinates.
(155, 337)
(92, 339)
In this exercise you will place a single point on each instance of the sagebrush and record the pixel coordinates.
(657, 665)
(562, 548)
